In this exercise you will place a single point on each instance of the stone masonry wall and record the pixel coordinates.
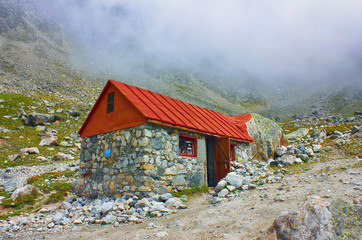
(242, 151)
(143, 161)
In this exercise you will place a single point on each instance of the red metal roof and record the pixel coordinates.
(174, 112)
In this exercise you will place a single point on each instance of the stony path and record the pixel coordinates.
(240, 218)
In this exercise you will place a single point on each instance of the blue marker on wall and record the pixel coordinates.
(107, 153)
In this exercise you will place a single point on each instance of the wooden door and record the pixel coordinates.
(221, 157)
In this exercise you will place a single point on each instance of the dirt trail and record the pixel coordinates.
(241, 218)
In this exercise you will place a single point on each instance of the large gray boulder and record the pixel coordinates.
(234, 179)
(49, 141)
(13, 183)
(317, 219)
(35, 119)
(268, 135)
(286, 160)
(297, 134)
(319, 133)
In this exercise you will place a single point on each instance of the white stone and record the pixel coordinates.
(223, 193)
(230, 188)
(316, 148)
(220, 185)
(234, 179)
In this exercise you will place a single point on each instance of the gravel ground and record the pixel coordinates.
(243, 217)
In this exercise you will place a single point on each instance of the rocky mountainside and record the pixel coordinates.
(35, 55)
(39, 55)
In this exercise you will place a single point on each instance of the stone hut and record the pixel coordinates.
(138, 142)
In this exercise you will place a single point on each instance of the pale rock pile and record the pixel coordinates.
(81, 210)
(244, 176)
(293, 154)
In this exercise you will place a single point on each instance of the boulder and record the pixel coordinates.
(316, 147)
(106, 207)
(14, 157)
(286, 160)
(13, 183)
(302, 156)
(62, 156)
(223, 193)
(297, 134)
(319, 133)
(234, 179)
(164, 197)
(49, 141)
(317, 219)
(31, 150)
(110, 218)
(220, 185)
(268, 135)
(143, 203)
(23, 191)
(309, 152)
(34, 119)
(279, 151)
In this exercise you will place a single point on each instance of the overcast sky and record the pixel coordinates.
(271, 40)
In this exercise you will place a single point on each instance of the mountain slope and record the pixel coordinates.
(39, 55)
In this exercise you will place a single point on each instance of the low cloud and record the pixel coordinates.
(282, 41)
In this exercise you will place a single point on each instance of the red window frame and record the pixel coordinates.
(194, 145)
(232, 152)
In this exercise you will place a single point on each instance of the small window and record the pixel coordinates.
(187, 146)
(110, 103)
(232, 152)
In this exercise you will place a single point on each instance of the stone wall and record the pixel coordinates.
(142, 161)
(242, 151)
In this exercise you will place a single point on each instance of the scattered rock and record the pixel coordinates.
(49, 141)
(35, 119)
(298, 134)
(14, 157)
(31, 150)
(312, 221)
(13, 183)
(220, 185)
(23, 191)
(318, 219)
(223, 193)
(234, 179)
(62, 156)
(279, 151)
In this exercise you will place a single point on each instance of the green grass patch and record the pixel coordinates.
(21, 201)
(151, 215)
(191, 191)
(20, 136)
(55, 197)
(49, 182)
(9, 214)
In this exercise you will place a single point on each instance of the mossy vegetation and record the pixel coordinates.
(16, 135)
(191, 191)
(53, 181)
(347, 220)
(51, 187)
(55, 197)
(21, 201)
